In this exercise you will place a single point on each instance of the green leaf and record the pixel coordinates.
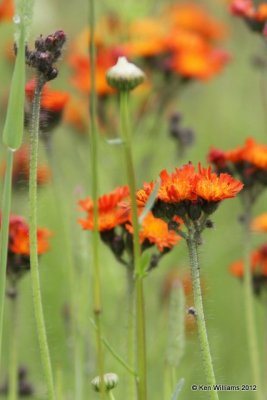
(150, 202)
(14, 123)
(178, 389)
(145, 261)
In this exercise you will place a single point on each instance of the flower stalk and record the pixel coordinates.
(35, 278)
(192, 244)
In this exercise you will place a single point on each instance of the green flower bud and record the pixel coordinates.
(110, 382)
(125, 75)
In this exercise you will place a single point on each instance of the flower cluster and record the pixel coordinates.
(249, 162)
(255, 16)
(21, 169)
(18, 261)
(190, 194)
(258, 265)
(179, 41)
(114, 224)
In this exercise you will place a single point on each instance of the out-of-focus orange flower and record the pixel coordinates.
(19, 237)
(52, 100)
(81, 68)
(21, 168)
(156, 231)
(110, 213)
(7, 9)
(194, 18)
(146, 38)
(259, 224)
(255, 154)
(254, 15)
(258, 265)
(76, 114)
(199, 64)
(212, 187)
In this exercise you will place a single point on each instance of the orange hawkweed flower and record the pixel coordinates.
(110, 212)
(255, 16)
(7, 10)
(179, 185)
(146, 38)
(19, 237)
(258, 265)
(106, 57)
(259, 224)
(156, 231)
(199, 64)
(213, 188)
(255, 154)
(194, 18)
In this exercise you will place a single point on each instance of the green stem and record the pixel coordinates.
(130, 331)
(35, 279)
(13, 360)
(248, 301)
(140, 308)
(110, 395)
(6, 202)
(97, 303)
(200, 318)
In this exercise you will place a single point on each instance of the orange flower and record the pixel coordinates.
(199, 64)
(255, 16)
(255, 154)
(146, 38)
(179, 185)
(214, 188)
(143, 194)
(52, 100)
(258, 263)
(156, 231)
(6, 10)
(19, 237)
(106, 58)
(76, 114)
(194, 18)
(259, 224)
(110, 212)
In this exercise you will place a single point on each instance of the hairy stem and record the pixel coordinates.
(35, 278)
(200, 318)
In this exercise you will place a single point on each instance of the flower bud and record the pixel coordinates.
(110, 382)
(125, 75)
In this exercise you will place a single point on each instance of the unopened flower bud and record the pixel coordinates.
(110, 382)
(125, 75)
